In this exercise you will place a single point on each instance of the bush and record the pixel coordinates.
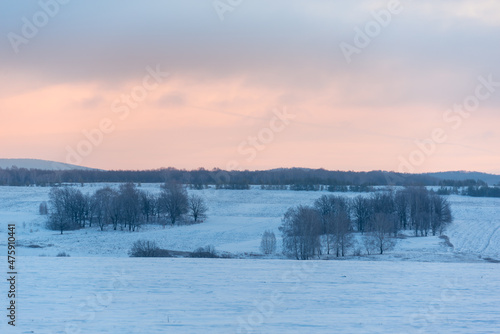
(144, 248)
(43, 209)
(205, 252)
(357, 252)
(268, 243)
(370, 244)
(163, 253)
(62, 254)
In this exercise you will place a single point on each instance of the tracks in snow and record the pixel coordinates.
(491, 237)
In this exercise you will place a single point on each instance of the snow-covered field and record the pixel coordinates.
(237, 219)
(125, 295)
(422, 286)
(476, 228)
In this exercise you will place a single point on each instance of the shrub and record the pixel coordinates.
(43, 209)
(268, 243)
(357, 252)
(144, 248)
(205, 252)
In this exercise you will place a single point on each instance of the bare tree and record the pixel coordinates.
(301, 230)
(340, 230)
(65, 209)
(335, 217)
(362, 211)
(79, 207)
(130, 205)
(102, 202)
(146, 205)
(401, 201)
(324, 205)
(382, 226)
(384, 203)
(268, 243)
(174, 201)
(419, 202)
(115, 211)
(197, 207)
(440, 214)
(370, 243)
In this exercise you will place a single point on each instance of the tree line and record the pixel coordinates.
(300, 178)
(328, 226)
(482, 191)
(124, 208)
(472, 191)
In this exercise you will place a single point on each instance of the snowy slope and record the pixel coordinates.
(476, 228)
(37, 164)
(237, 219)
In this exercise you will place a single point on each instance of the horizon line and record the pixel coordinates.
(243, 170)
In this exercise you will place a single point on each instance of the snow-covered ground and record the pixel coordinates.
(237, 219)
(422, 286)
(126, 295)
(476, 228)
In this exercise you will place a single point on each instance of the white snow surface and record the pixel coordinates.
(130, 295)
(237, 219)
(422, 286)
(476, 228)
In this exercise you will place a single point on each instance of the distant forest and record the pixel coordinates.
(296, 178)
(293, 176)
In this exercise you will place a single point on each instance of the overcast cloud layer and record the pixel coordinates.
(226, 78)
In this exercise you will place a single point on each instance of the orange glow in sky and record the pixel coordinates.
(171, 84)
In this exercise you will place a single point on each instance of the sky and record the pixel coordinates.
(408, 86)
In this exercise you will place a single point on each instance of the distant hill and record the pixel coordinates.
(38, 164)
(491, 179)
(278, 176)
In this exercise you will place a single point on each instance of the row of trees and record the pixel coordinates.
(462, 183)
(299, 177)
(126, 207)
(292, 178)
(329, 225)
(473, 191)
(482, 191)
(413, 208)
